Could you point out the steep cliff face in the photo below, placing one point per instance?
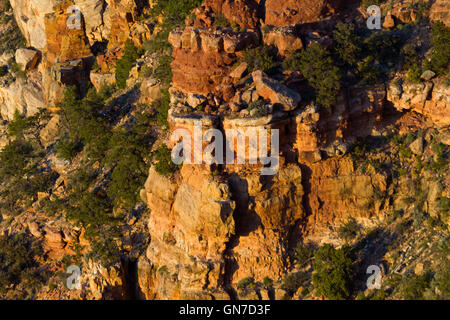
(210, 232)
(318, 186)
(69, 33)
(103, 20)
(193, 222)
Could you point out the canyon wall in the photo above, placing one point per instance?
(211, 226)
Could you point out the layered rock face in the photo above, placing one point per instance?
(255, 219)
(68, 33)
(244, 13)
(211, 226)
(431, 98)
(26, 96)
(203, 57)
(30, 17)
(440, 11)
(215, 225)
(293, 12)
(103, 19)
(208, 232)
(191, 223)
(339, 192)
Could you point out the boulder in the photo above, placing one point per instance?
(444, 137)
(27, 58)
(102, 79)
(50, 132)
(93, 11)
(427, 75)
(239, 71)
(194, 100)
(417, 146)
(418, 269)
(275, 91)
(284, 39)
(24, 96)
(150, 91)
(35, 229)
(440, 11)
(66, 74)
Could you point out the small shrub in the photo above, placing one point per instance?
(126, 63)
(332, 272)
(163, 71)
(292, 282)
(246, 283)
(349, 230)
(410, 55)
(384, 46)
(421, 8)
(414, 74)
(368, 71)
(168, 238)
(84, 120)
(444, 204)
(18, 266)
(164, 165)
(348, 43)
(303, 254)
(267, 282)
(145, 72)
(162, 106)
(261, 58)
(318, 67)
(413, 286)
(15, 157)
(91, 212)
(163, 270)
(16, 69)
(3, 71)
(221, 21)
(67, 149)
(128, 155)
(106, 92)
(259, 107)
(105, 250)
(441, 280)
(18, 125)
(127, 178)
(441, 48)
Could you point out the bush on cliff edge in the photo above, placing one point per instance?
(332, 272)
(126, 63)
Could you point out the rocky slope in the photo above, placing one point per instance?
(376, 157)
